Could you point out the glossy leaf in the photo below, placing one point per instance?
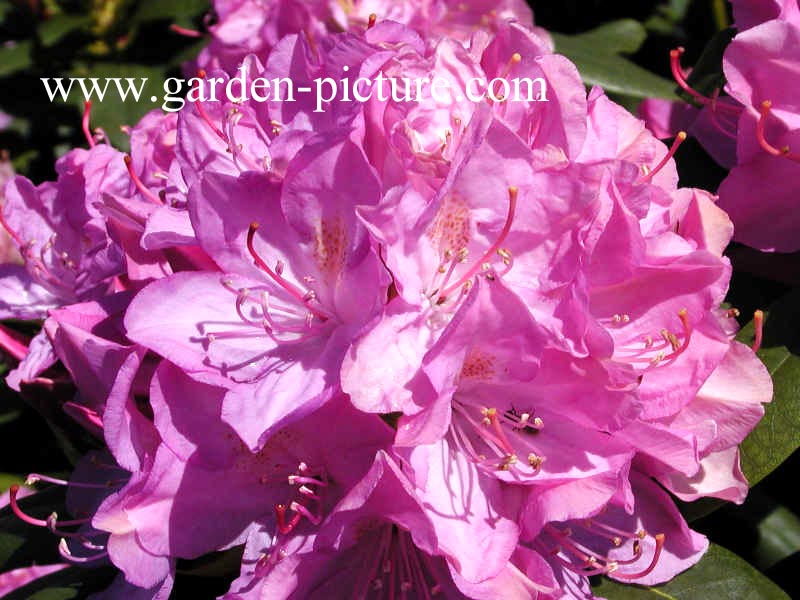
(706, 76)
(720, 574)
(778, 433)
(170, 9)
(778, 537)
(597, 54)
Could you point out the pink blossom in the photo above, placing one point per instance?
(249, 27)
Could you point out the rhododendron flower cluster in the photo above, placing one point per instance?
(395, 349)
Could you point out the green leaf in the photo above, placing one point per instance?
(667, 16)
(9, 479)
(58, 26)
(707, 76)
(597, 54)
(778, 433)
(73, 583)
(720, 574)
(700, 508)
(778, 537)
(22, 544)
(5, 9)
(16, 57)
(625, 36)
(170, 10)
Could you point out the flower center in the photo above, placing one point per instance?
(450, 229)
(498, 440)
(653, 350)
(577, 557)
(307, 494)
(76, 546)
(395, 568)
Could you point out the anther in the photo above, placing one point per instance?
(505, 254)
(373, 18)
(507, 462)
(535, 460)
(758, 322)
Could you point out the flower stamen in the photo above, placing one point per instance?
(513, 193)
(785, 152)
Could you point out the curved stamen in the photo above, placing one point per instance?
(201, 74)
(679, 139)
(64, 551)
(185, 32)
(300, 509)
(295, 479)
(138, 182)
(33, 478)
(683, 315)
(784, 152)
(512, 207)
(302, 297)
(715, 120)
(87, 112)
(14, 235)
(285, 527)
(12, 501)
(680, 77)
(659, 538)
(594, 564)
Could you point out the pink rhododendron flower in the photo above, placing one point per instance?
(251, 27)
(754, 129)
(274, 326)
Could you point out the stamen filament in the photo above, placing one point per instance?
(659, 538)
(288, 287)
(185, 32)
(64, 551)
(513, 192)
(784, 152)
(87, 112)
(138, 182)
(680, 77)
(679, 139)
(204, 115)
